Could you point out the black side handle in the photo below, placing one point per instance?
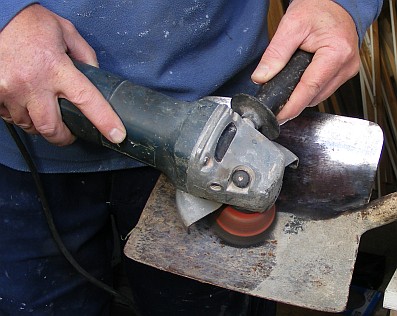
(276, 92)
(262, 108)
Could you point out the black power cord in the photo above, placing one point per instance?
(54, 232)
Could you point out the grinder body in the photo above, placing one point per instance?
(204, 147)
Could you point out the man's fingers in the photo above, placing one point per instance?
(77, 47)
(279, 51)
(18, 117)
(314, 83)
(272, 62)
(300, 98)
(50, 125)
(322, 78)
(327, 91)
(5, 114)
(83, 94)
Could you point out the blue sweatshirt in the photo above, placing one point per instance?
(184, 48)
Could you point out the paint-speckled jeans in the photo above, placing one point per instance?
(34, 278)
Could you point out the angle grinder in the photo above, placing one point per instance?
(218, 152)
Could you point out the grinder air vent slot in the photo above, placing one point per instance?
(224, 141)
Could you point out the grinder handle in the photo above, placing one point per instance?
(276, 92)
(262, 108)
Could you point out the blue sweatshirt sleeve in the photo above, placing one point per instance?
(363, 12)
(10, 8)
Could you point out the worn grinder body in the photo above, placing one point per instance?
(204, 147)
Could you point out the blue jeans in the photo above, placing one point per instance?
(36, 279)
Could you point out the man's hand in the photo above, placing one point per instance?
(36, 70)
(317, 26)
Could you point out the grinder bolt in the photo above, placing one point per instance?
(241, 178)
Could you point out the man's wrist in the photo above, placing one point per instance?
(363, 13)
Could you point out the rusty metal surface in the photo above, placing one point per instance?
(303, 262)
